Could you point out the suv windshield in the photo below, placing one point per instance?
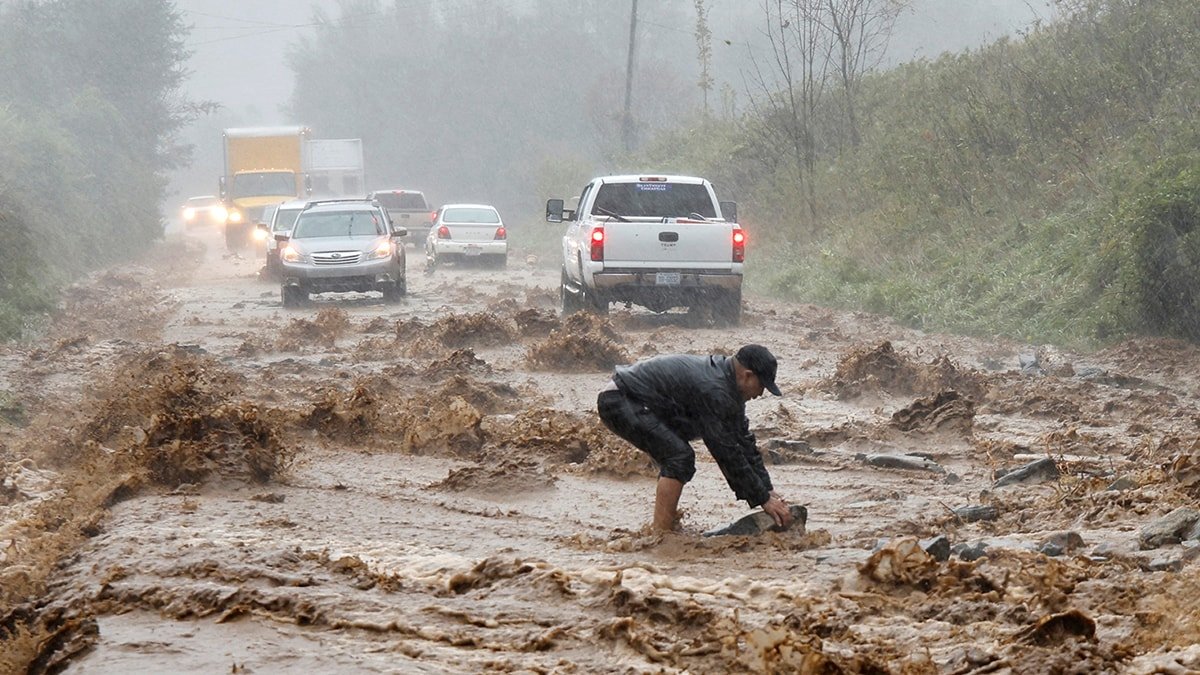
(284, 219)
(654, 200)
(470, 215)
(338, 224)
(203, 201)
(401, 200)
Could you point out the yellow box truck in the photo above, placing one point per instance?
(263, 166)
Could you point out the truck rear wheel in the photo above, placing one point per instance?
(570, 300)
(727, 311)
(595, 303)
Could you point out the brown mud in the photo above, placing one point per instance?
(193, 479)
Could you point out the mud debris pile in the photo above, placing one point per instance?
(584, 341)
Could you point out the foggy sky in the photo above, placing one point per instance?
(238, 46)
(238, 50)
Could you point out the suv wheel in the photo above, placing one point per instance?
(393, 292)
(292, 296)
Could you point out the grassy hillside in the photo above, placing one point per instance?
(1046, 188)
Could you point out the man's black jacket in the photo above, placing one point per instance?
(697, 397)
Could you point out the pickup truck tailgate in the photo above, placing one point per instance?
(674, 243)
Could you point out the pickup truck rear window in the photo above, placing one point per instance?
(401, 200)
(654, 200)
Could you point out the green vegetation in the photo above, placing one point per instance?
(88, 109)
(1045, 188)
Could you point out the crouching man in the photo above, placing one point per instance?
(662, 403)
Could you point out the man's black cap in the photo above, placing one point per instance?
(760, 361)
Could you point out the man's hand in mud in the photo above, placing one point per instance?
(778, 509)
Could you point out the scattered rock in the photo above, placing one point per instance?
(938, 547)
(1039, 471)
(970, 514)
(1051, 549)
(1170, 529)
(1173, 560)
(1121, 484)
(1030, 365)
(1065, 542)
(784, 451)
(911, 462)
(970, 552)
(759, 522)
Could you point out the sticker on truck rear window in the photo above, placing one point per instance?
(653, 187)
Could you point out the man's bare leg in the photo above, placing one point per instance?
(666, 503)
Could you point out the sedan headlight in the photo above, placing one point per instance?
(290, 254)
(382, 251)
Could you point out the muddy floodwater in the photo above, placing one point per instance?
(196, 480)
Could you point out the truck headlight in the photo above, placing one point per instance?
(382, 251)
(290, 254)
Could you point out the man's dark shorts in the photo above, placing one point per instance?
(635, 423)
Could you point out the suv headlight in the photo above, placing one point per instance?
(235, 216)
(382, 251)
(290, 254)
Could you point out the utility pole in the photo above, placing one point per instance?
(627, 121)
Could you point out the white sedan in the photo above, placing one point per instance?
(467, 231)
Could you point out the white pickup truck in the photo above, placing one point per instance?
(655, 241)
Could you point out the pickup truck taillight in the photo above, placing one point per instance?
(739, 245)
(501, 233)
(598, 244)
(443, 232)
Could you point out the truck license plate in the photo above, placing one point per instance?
(666, 278)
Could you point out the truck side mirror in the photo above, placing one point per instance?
(554, 210)
(729, 210)
(281, 238)
(221, 188)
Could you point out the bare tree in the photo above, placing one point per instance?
(861, 30)
(704, 51)
(788, 98)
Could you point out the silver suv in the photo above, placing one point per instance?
(342, 245)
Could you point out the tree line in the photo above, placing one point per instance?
(89, 108)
